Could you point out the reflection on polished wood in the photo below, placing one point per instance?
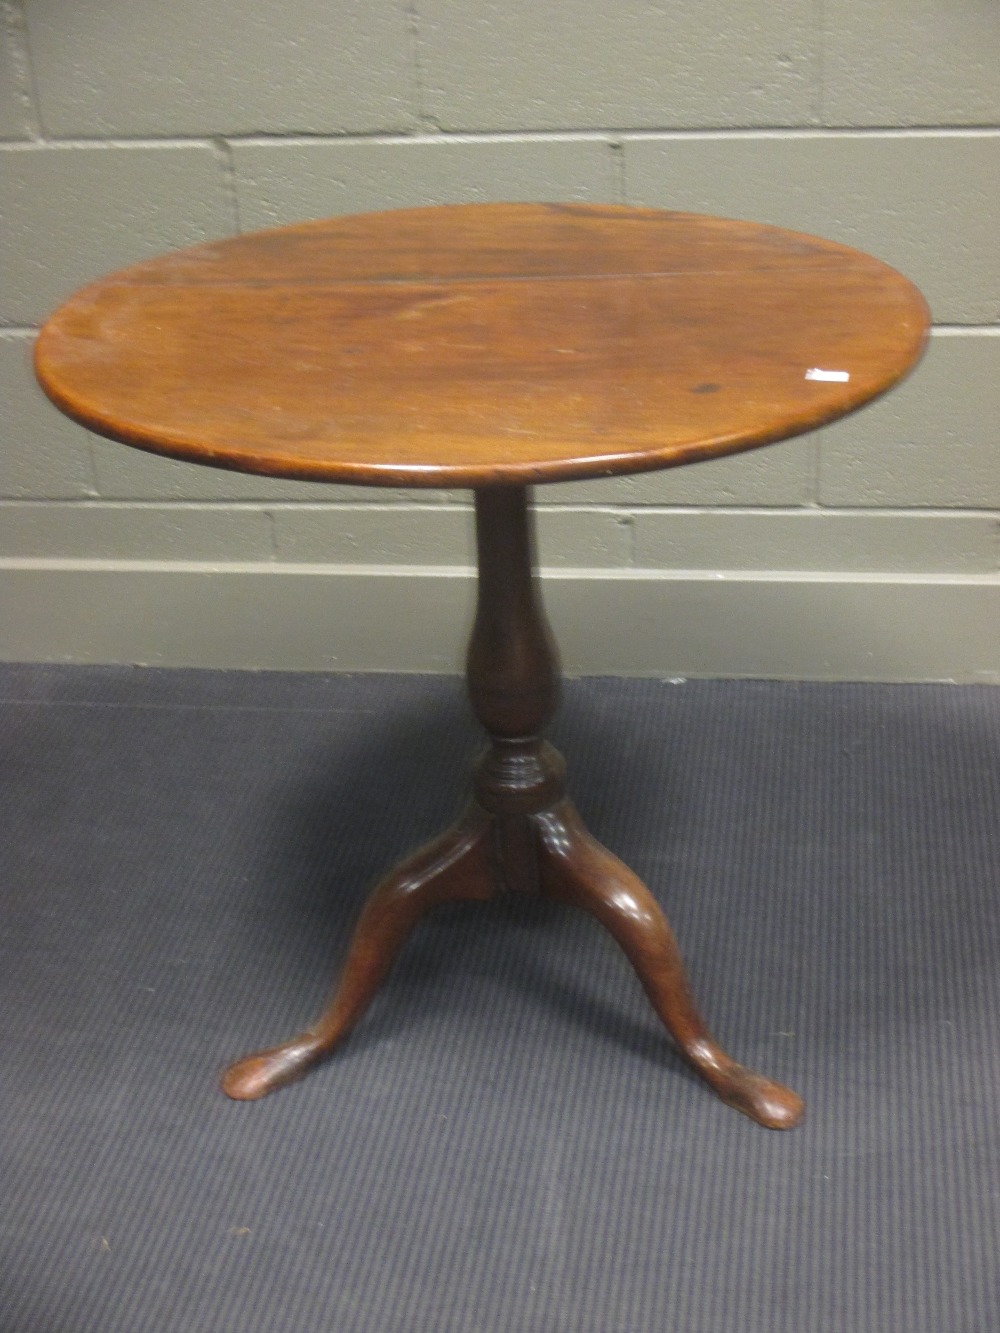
(481, 344)
(493, 347)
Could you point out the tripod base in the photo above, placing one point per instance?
(520, 834)
(569, 865)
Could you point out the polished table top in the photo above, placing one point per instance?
(483, 344)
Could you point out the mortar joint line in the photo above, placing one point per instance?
(272, 533)
(434, 131)
(820, 104)
(425, 120)
(817, 471)
(15, 24)
(965, 330)
(230, 193)
(94, 482)
(617, 150)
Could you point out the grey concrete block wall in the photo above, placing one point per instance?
(284, 182)
(926, 202)
(131, 127)
(14, 103)
(931, 443)
(208, 67)
(72, 212)
(518, 64)
(919, 63)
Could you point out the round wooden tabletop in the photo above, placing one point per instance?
(481, 344)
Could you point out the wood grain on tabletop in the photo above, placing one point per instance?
(470, 345)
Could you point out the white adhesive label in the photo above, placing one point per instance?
(828, 376)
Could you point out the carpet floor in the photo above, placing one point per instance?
(508, 1143)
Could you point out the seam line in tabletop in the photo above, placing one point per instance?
(429, 280)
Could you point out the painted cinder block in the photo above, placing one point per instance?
(928, 62)
(281, 183)
(928, 203)
(222, 67)
(934, 441)
(71, 214)
(432, 535)
(518, 64)
(42, 455)
(817, 540)
(13, 107)
(371, 534)
(309, 618)
(123, 473)
(582, 538)
(100, 531)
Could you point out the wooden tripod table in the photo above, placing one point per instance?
(491, 347)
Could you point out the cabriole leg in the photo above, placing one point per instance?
(454, 866)
(577, 869)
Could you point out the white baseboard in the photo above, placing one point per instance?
(613, 622)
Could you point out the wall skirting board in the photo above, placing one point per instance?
(892, 627)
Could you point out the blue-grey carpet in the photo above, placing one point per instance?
(508, 1143)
